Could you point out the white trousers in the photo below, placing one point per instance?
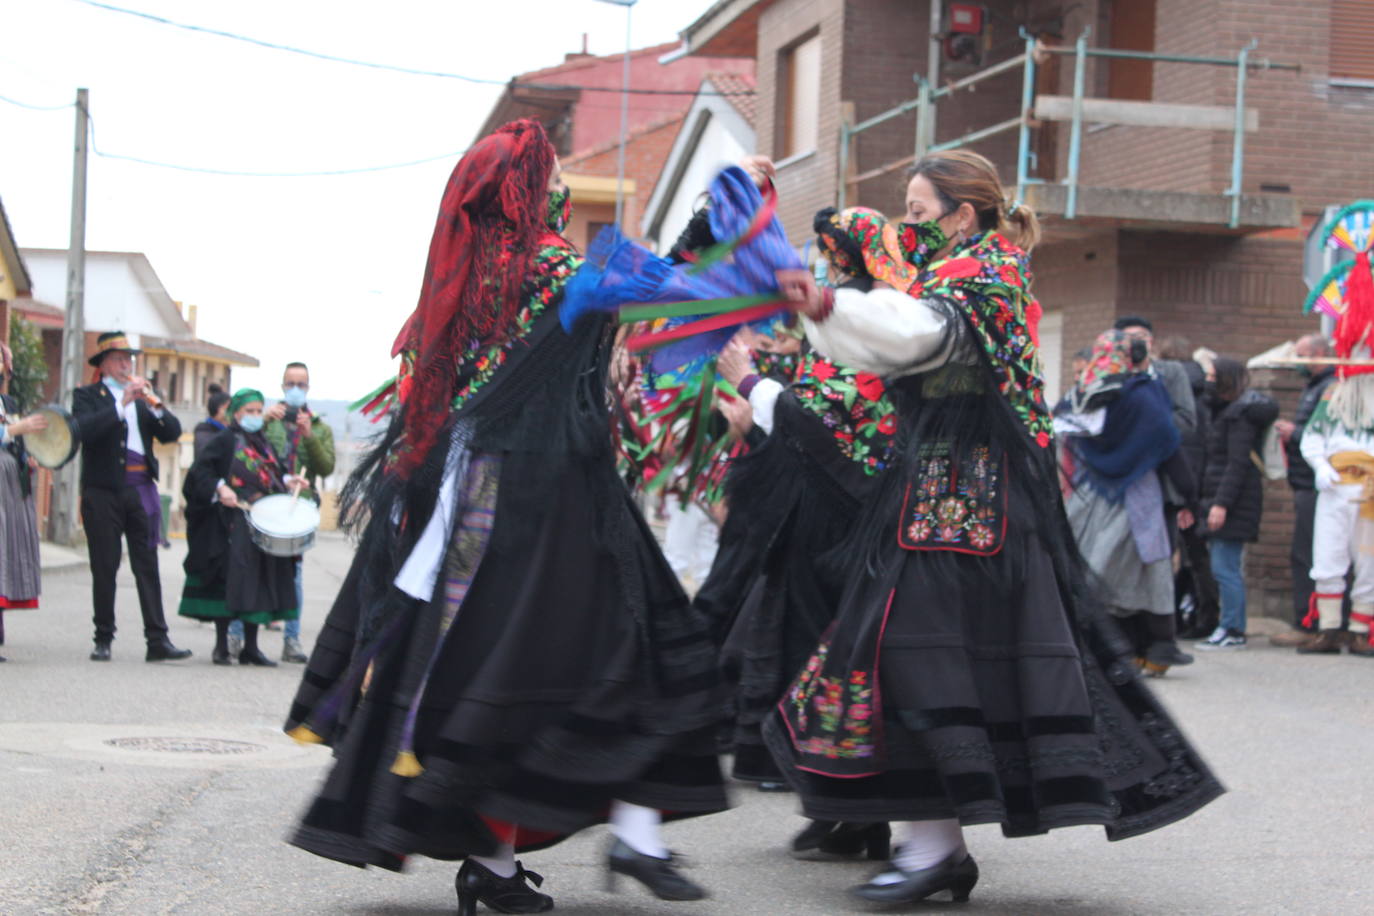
(1341, 538)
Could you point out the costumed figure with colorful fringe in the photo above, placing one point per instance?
(510, 659)
(969, 676)
(1338, 443)
(1117, 438)
(228, 577)
(20, 569)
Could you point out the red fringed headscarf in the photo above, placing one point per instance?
(490, 220)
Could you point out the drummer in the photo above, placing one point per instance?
(227, 576)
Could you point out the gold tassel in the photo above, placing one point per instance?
(304, 735)
(407, 764)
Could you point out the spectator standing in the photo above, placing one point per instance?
(1232, 492)
(216, 419)
(1171, 373)
(1302, 481)
(119, 418)
(19, 565)
(305, 443)
(1119, 437)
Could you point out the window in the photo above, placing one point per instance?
(1352, 39)
(1132, 29)
(799, 81)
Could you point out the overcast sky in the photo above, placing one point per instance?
(322, 269)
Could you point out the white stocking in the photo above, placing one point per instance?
(502, 864)
(921, 844)
(637, 826)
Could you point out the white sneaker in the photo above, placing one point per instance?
(1222, 638)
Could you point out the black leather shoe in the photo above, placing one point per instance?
(164, 651)
(101, 652)
(658, 875)
(504, 895)
(221, 657)
(255, 657)
(956, 874)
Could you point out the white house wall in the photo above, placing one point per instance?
(117, 298)
(726, 139)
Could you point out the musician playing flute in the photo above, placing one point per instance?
(119, 418)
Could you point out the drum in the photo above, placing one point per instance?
(283, 526)
(58, 444)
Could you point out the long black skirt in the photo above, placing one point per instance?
(959, 686)
(575, 673)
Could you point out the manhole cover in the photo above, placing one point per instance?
(185, 745)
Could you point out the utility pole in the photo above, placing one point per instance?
(624, 118)
(64, 518)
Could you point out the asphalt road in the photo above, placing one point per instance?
(135, 788)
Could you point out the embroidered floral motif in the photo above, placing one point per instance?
(989, 280)
(950, 508)
(843, 708)
(854, 406)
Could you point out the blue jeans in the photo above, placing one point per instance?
(292, 630)
(1226, 557)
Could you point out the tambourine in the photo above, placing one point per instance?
(58, 444)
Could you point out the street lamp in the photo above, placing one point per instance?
(624, 114)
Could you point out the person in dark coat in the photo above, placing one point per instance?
(119, 418)
(1233, 491)
(216, 419)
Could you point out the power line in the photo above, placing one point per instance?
(34, 107)
(95, 148)
(272, 45)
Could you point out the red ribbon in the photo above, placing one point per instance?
(657, 339)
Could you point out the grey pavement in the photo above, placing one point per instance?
(135, 788)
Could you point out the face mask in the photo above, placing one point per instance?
(295, 397)
(560, 210)
(1305, 371)
(251, 423)
(920, 241)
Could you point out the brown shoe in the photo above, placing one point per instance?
(1359, 644)
(1292, 639)
(1326, 642)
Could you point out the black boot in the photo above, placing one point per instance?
(658, 875)
(504, 895)
(957, 874)
(101, 652)
(809, 840)
(1162, 652)
(852, 840)
(221, 654)
(251, 654)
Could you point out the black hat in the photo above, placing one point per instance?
(109, 342)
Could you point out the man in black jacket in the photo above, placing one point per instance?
(119, 418)
(1302, 481)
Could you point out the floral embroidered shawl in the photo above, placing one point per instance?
(989, 279)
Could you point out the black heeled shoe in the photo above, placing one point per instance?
(809, 840)
(255, 657)
(504, 895)
(221, 657)
(956, 874)
(658, 875)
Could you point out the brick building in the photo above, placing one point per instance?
(1152, 231)
(578, 102)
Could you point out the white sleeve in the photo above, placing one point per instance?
(763, 399)
(1313, 447)
(884, 331)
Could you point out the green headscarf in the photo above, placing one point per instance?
(244, 396)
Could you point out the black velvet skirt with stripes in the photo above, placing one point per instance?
(798, 497)
(575, 673)
(978, 682)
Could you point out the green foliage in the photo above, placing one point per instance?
(30, 368)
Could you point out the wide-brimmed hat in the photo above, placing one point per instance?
(109, 342)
